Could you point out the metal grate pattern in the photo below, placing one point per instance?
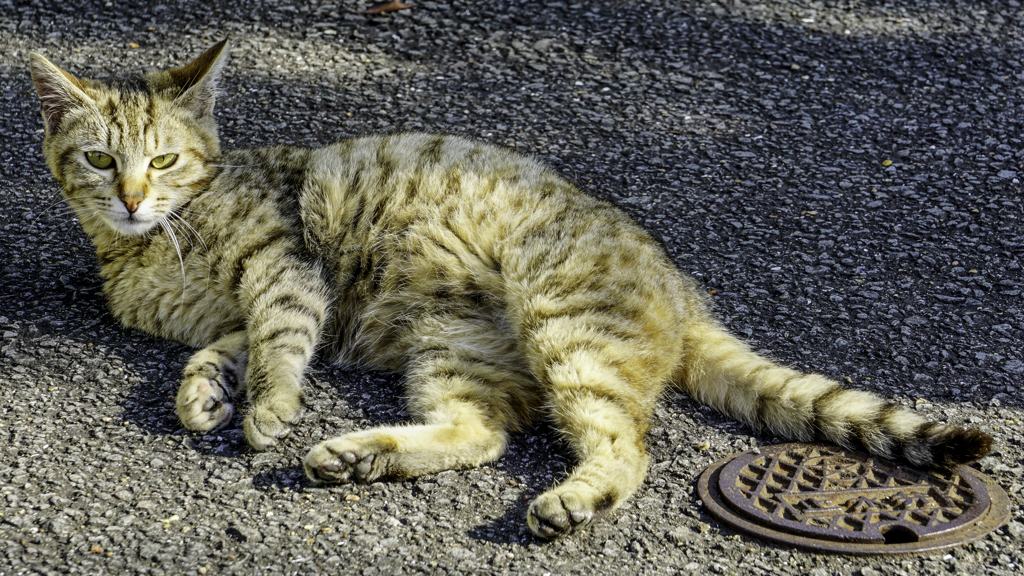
(830, 499)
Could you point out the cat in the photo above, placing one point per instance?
(499, 289)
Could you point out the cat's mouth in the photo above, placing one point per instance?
(132, 224)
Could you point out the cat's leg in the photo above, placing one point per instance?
(602, 378)
(464, 398)
(454, 434)
(213, 378)
(606, 433)
(287, 306)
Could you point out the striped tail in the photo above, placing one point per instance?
(721, 371)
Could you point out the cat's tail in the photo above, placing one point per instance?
(721, 371)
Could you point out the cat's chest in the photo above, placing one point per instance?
(186, 282)
(169, 291)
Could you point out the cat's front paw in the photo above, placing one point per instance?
(202, 404)
(342, 460)
(270, 421)
(565, 509)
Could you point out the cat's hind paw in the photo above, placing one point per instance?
(268, 422)
(566, 508)
(341, 460)
(203, 404)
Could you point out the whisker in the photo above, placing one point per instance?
(188, 210)
(174, 239)
(181, 221)
(183, 229)
(60, 213)
(86, 212)
(56, 202)
(188, 225)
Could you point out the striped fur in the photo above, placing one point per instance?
(500, 290)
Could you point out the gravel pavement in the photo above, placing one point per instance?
(844, 176)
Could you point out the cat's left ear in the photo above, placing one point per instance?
(197, 81)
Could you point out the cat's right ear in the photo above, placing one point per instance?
(197, 81)
(59, 91)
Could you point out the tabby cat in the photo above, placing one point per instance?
(499, 289)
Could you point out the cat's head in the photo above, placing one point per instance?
(128, 152)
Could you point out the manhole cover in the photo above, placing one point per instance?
(828, 499)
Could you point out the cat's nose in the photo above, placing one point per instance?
(131, 189)
(131, 201)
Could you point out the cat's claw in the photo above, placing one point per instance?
(339, 462)
(265, 425)
(202, 404)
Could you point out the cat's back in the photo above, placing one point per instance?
(427, 159)
(415, 185)
(419, 171)
(463, 195)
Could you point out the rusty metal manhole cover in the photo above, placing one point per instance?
(828, 499)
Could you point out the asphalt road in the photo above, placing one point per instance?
(843, 176)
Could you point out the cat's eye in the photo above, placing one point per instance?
(100, 160)
(165, 161)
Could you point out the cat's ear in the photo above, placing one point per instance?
(197, 81)
(59, 91)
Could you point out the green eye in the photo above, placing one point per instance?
(165, 161)
(99, 159)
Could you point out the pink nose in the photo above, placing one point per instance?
(131, 201)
